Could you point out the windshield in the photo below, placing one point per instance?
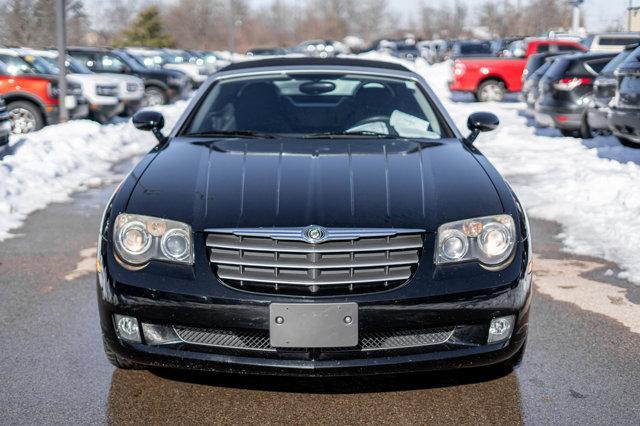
(130, 61)
(16, 65)
(318, 105)
(41, 65)
(77, 67)
(478, 48)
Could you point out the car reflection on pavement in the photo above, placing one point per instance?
(165, 396)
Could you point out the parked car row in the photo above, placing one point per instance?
(102, 83)
(583, 94)
(490, 70)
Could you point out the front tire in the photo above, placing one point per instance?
(154, 96)
(116, 361)
(491, 91)
(25, 117)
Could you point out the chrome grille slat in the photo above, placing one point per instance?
(267, 275)
(258, 340)
(399, 242)
(365, 264)
(346, 261)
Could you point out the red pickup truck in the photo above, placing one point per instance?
(490, 78)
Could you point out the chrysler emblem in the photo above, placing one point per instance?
(314, 234)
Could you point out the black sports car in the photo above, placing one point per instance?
(314, 217)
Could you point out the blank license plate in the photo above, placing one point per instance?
(313, 325)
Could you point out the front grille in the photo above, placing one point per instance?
(258, 340)
(354, 266)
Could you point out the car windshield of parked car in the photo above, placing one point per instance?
(76, 66)
(16, 65)
(41, 65)
(317, 105)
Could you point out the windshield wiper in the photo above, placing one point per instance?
(231, 133)
(358, 134)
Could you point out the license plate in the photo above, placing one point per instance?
(314, 325)
(70, 102)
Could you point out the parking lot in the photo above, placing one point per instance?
(581, 363)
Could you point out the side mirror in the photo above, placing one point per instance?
(151, 121)
(481, 122)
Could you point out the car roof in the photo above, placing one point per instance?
(288, 61)
(591, 55)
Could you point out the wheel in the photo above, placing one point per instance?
(491, 91)
(628, 142)
(585, 130)
(116, 361)
(568, 133)
(154, 96)
(25, 117)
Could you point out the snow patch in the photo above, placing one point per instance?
(49, 165)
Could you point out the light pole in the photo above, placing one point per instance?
(629, 10)
(61, 38)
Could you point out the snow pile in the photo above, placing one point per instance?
(48, 165)
(589, 187)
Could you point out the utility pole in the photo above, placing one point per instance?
(61, 38)
(629, 9)
(575, 21)
(232, 27)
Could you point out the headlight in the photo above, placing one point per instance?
(139, 239)
(489, 240)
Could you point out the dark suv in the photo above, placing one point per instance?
(604, 89)
(565, 89)
(624, 115)
(162, 86)
(537, 65)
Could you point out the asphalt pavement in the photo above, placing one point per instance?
(582, 364)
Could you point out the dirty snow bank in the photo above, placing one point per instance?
(49, 165)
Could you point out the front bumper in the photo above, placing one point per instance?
(81, 110)
(597, 117)
(625, 123)
(104, 113)
(470, 315)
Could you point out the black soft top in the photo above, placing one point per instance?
(287, 62)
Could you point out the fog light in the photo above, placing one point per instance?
(159, 334)
(127, 328)
(501, 329)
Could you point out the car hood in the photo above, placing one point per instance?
(98, 79)
(119, 78)
(328, 182)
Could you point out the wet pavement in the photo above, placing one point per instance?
(581, 367)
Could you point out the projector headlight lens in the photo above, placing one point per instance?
(139, 239)
(489, 240)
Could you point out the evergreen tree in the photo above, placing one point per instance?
(146, 30)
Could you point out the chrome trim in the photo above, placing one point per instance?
(298, 233)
